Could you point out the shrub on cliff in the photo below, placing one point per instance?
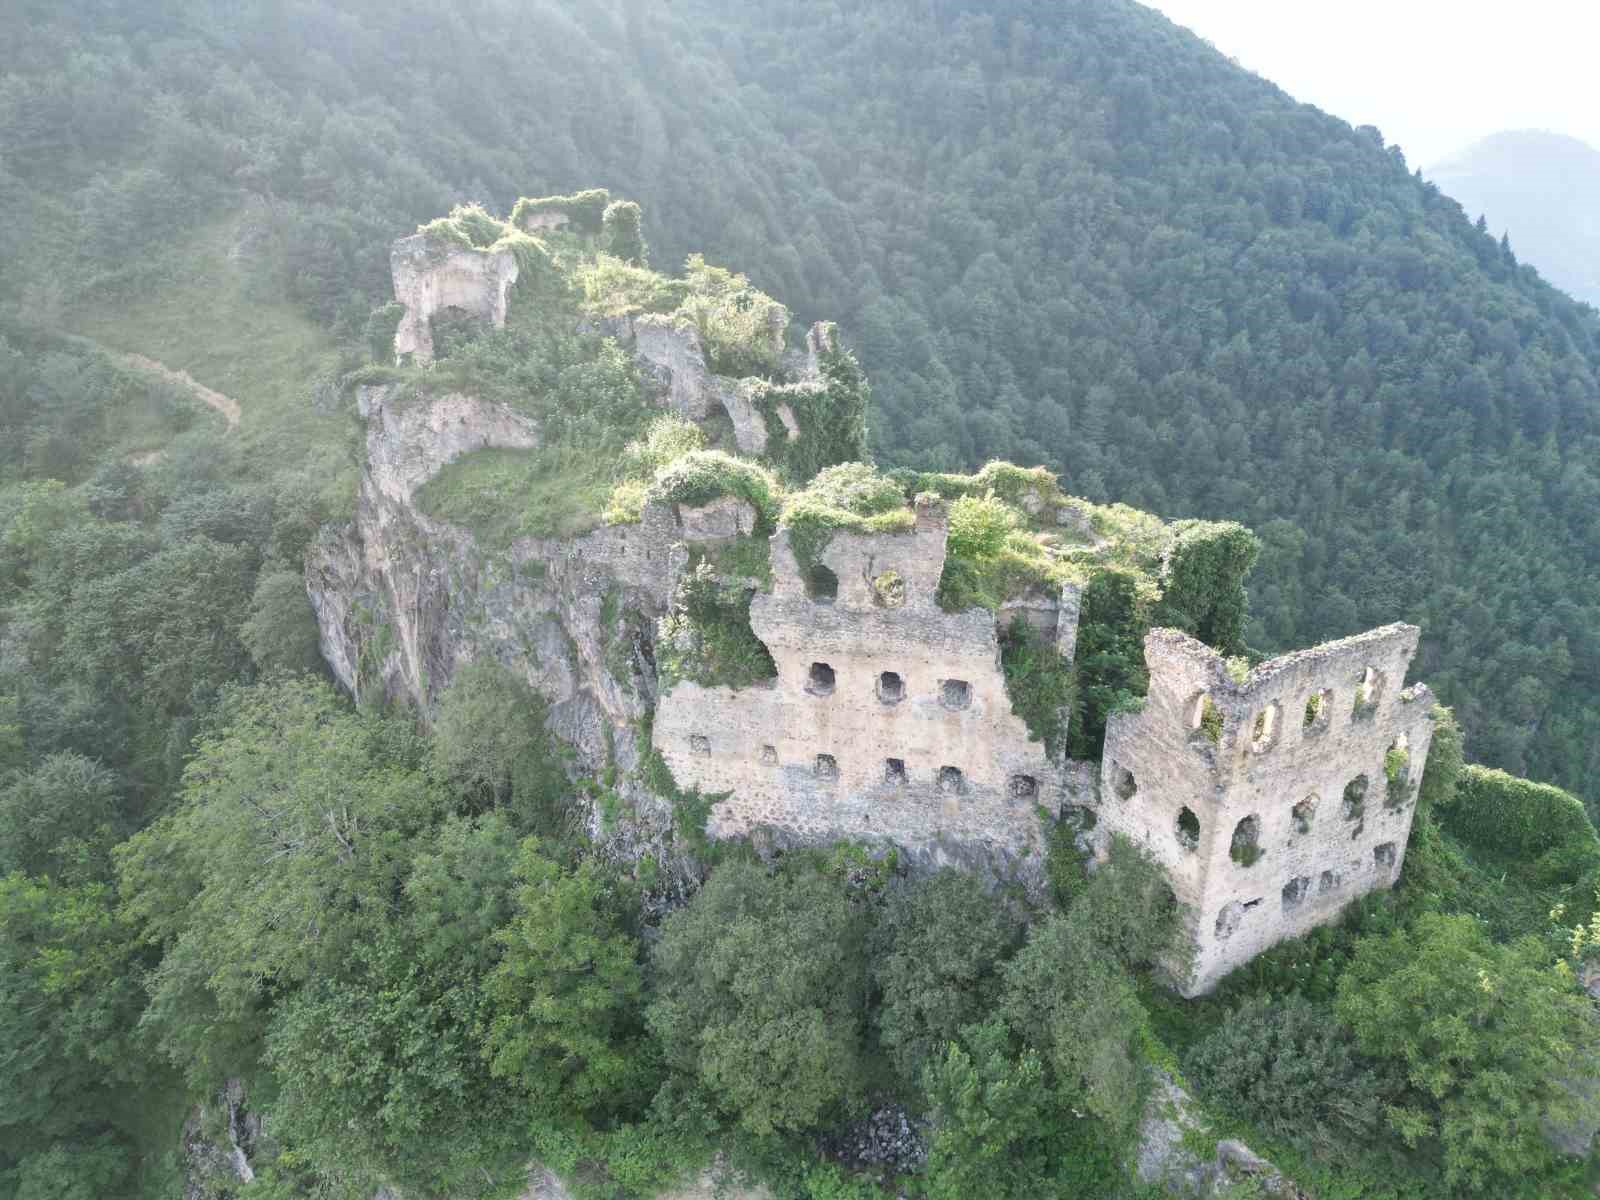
(831, 418)
(740, 326)
(1202, 582)
(622, 230)
(701, 476)
(853, 497)
(707, 637)
(760, 996)
(1512, 816)
(584, 210)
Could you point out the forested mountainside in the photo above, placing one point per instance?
(259, 941)
(1059, 232)
(1543, 191)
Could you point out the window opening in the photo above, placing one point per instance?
(820, 682)
(1245, 848)
(1188, 829)
(955, 693)
(827, 767)
(1264, 734)
(894, 771)
(891, 688)
(1303, 814)
(822, 585)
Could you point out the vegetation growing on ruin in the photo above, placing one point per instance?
(707, 638)
(1040, 684)
(586, 209)
(830, 418)
(702, 476)
(851, 497)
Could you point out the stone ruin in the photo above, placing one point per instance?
(433, 276)
(1273, 800)
(888, 721)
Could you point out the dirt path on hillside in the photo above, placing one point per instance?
(226, 405)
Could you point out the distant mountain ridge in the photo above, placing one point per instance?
(1543, 190)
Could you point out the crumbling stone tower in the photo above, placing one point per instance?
(888, 721)
(432, 275)
(1274, 799)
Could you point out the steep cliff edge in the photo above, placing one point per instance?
(625, 488)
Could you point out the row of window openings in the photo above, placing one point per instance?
(1205, 718)
(1297, 889)
(826, 767)
(953, 693)
(1245, 847)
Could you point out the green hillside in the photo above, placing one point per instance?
(1058, 232)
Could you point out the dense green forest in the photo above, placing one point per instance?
(1063, 233)
(1070, 234)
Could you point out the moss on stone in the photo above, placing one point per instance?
(701, 476)
(854, 497)
(585, 210)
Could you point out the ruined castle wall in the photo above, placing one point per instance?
(431, 276)
(931, 757)
(1283, 767)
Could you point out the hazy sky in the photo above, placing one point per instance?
(1433, 75)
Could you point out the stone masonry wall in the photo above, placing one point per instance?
(889, 719)
(431, 275)
(1307, 778)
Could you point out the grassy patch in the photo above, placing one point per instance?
(196, 308)
(501, 495)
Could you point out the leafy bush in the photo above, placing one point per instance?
(1109, 661)
(740, 326)
(622, 230)
(1289, 1066)
(1202, 581)
(849, 496)
(701, 476)
(760, 996)
(831, 418)
(379, 331)
(990, 557)
(1488, 1036)
(1514, 817)
(707, 637)
(611, 287)
(936, 953)
(1443, 769)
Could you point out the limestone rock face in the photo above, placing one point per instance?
(670, 352)
(889, 720)
(431, 275)
(403, 600)
(1271, 801)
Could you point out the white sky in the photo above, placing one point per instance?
(1433, 75)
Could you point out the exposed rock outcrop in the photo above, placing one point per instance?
(402, 600)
